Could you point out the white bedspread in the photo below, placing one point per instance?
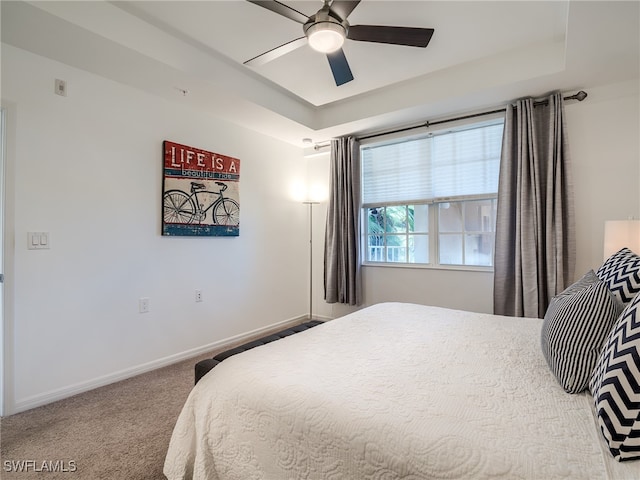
(394, 391)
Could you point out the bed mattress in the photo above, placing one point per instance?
(393, 391)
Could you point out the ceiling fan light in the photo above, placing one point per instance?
(326, 37)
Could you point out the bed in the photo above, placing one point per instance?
(393, 391)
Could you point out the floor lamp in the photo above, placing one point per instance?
(311, 204)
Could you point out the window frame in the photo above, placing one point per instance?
(407, 233)
(433, 233)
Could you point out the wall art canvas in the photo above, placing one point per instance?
(200, 192)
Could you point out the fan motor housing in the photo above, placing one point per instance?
(323, 20)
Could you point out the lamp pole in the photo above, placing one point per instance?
(311, 204)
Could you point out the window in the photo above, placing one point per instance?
(466, 231)
(398, 233)
(432, 200)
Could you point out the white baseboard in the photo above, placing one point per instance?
(71, 390)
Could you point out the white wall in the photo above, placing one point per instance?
(87, 168)
(603, 142)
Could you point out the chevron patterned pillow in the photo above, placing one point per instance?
(575, 327)
(621, 272)
(615, 385)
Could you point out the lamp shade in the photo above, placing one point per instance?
(619, 234)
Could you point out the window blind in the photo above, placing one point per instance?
(451, 164)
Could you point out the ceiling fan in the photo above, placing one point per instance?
(326, 30)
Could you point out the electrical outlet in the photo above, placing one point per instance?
(143, 305)
(198, 295)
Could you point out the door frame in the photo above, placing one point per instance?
(8, 111)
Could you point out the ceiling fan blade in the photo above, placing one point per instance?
(282, 9)
(339, 67)
(343, 8)
(276, 52)
(409, 36)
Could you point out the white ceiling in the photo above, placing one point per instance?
(464, 32)
(482, 54)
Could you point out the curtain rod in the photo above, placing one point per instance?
(580, 96)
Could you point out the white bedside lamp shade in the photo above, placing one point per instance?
(619, 234)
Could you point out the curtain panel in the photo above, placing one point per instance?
(342, 282)
(535, 230)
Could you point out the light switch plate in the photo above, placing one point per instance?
(38, 240)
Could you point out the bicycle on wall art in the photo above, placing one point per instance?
(200, 192)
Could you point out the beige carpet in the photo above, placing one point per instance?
(117, 432)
